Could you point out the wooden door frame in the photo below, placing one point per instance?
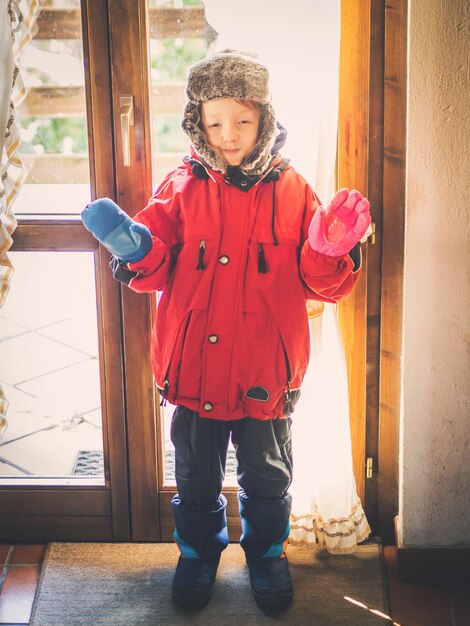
(352, 172)
(130, 76)
(371, 157)
(392, 266)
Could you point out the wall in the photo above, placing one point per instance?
(435, 427)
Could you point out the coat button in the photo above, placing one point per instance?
(244, 183)
(213, 339)
(224, 259)
(208, 406)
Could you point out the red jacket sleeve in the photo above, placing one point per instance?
(328, 279)
(162, 218)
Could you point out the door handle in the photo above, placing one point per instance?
(126, 108)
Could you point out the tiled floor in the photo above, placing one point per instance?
(412, 604)
(49, 364)
(20, 566)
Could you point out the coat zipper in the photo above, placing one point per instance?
(166, 387)
(289, 408)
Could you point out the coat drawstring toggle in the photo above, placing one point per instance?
(202, 248)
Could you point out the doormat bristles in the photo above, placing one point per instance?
(90, 463)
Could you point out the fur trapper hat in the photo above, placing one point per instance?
(230, 74)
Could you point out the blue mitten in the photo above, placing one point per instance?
(126, 239)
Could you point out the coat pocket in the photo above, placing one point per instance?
(291, 396)
(261, 369)
(169, 389)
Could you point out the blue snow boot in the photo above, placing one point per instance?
(193, 581)
(265, 530)
(201, 537)
(270, 580)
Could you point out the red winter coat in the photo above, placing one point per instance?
(231, 335)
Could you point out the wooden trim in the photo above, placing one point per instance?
(112, 393)
(38, 528)
(128, 25)
(352, 168)
(374, 253)
(395, 77)
(55, 501)
(371, 149)
(102, 177)
(40, 235)
(433, 564)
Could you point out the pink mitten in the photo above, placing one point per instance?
(336, 230)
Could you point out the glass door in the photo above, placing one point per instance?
(87, 454)
(63, 460)
(179, 35)
(180, 32)
(165, 37)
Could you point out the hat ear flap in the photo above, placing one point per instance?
(258, 160)
(191, 125)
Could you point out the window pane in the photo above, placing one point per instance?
(54, 145)
(179, 36)
(170, 56)
(49, 368)
(169, 450)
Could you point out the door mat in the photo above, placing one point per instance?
(129, 584)
(230, 468)
(90, 463)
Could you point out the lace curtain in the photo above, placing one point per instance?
(17, 19)
(299, 41)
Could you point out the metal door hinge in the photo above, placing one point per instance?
(369, 467)
(372, 235)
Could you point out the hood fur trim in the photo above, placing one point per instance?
(254, 163)
(230, 74)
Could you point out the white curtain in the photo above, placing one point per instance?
(299, 41)
(17, 19)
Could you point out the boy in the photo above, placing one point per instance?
(236, 240)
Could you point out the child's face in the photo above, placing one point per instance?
(231, 127)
